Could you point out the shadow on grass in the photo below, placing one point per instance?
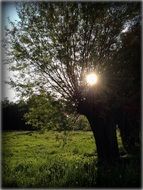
(124, 174)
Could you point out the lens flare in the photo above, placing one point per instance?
(91, 79)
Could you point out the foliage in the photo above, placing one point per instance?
(46, 113)
(81, 124)
(35, 160)
(128, 65)
(72, 39)
(40, 112)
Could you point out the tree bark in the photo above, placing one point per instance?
(104, 132)
(100, 117)
(129, 123)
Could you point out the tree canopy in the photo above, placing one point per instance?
(54, 45)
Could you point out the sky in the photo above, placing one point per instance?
(8, 12)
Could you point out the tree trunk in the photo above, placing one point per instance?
(100, 117)
(104, 132)
(129, 125)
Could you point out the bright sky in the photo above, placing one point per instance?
(8, 11)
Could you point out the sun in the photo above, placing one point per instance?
(91, 79)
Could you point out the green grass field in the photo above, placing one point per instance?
(50, 159)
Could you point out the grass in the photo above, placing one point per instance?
(50, 159)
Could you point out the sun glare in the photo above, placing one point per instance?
(91, 79)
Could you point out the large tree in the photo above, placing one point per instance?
(128, 60)
(55, 45)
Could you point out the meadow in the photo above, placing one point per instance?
(53, 159)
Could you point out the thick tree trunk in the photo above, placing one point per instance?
(101, 120)
(129, 125)
(104, 132)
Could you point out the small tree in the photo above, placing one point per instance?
(57, 44)
(46, 113)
